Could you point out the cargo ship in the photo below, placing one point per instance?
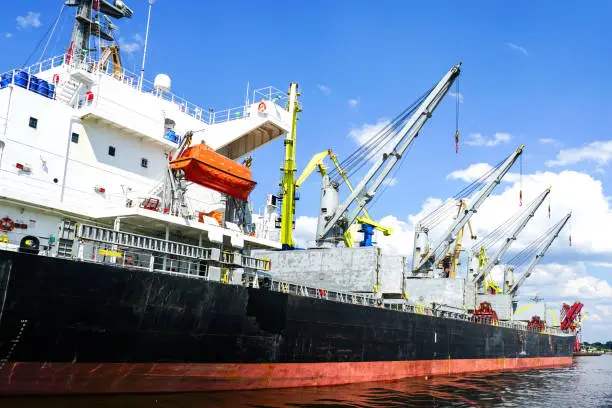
(131, 261)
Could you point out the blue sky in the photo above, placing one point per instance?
(533, 73)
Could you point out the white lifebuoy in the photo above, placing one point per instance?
(261, 108)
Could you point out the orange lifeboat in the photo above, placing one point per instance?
(203, 166)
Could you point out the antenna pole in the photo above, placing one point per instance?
(144, 54)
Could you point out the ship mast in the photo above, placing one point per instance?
(85, 25)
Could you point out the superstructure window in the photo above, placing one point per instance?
(33, 122)
(144, 162)
(75, 138)
(111, 150)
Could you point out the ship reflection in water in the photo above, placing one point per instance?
(587, 383)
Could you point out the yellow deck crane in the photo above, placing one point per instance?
(108, 53)
(385, 150)
(451, 261)
(288, 185)
(316, 162)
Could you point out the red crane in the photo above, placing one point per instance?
(569, 317)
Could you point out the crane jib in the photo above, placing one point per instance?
(383, 166)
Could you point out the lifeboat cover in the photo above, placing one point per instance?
(203, 166)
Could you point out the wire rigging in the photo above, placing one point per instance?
(371, 147)
(504, 230)
(52, 31)
(527, 254)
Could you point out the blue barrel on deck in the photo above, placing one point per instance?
(21, 79)
(42, 88)
(6, 79)
(33, 85)
(51, 93)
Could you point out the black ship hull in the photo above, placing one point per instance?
(78, 327)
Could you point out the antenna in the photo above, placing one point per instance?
(144, 54)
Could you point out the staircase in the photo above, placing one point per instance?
(68, 92)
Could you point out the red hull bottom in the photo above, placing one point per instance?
(91, 378)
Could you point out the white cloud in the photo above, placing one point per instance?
(31, 19)
(305, 231)
(471, 173)
(353, 102)
(457, 95)
(548, 140)
(555, 280)
(130, 47)
(366, 132)
(8, 35)
(477, 139)
(599, 152)
(587, 287)
(518, 48)
(325, 89)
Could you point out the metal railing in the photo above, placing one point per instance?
(405, 307)
(209, 116)
(128, 257)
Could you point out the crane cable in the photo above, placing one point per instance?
(524, 255)
(521, 182)
(356, 160)
(458, 100)
(504, 229)
(435, 217)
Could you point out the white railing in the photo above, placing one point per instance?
(209, 116)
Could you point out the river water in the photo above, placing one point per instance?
(587, 383)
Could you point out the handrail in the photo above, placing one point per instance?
(405, 307)
(209, 116)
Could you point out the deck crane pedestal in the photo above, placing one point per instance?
(334, 219)
(368, 225)
(524, 217)
(426, 261)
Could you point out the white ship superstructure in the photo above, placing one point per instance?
(82, 137)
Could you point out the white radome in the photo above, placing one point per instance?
(162, 82)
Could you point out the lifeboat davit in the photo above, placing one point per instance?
(203, 166)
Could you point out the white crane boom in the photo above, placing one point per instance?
(531, 210)
(432, 259)
(391, 157)
(540, 254)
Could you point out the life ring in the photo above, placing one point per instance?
(6, 224)
(56, 78)
(129, 260)
(261, 108)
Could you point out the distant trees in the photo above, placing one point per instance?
(598, 345)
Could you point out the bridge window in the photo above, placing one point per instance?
(111, 151)
(33, 122)
(75, 138)
(144, 162)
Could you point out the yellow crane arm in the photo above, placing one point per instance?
(584, 316)
(378, 226)
(555, 322)
(522, 309)
(316, 161)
